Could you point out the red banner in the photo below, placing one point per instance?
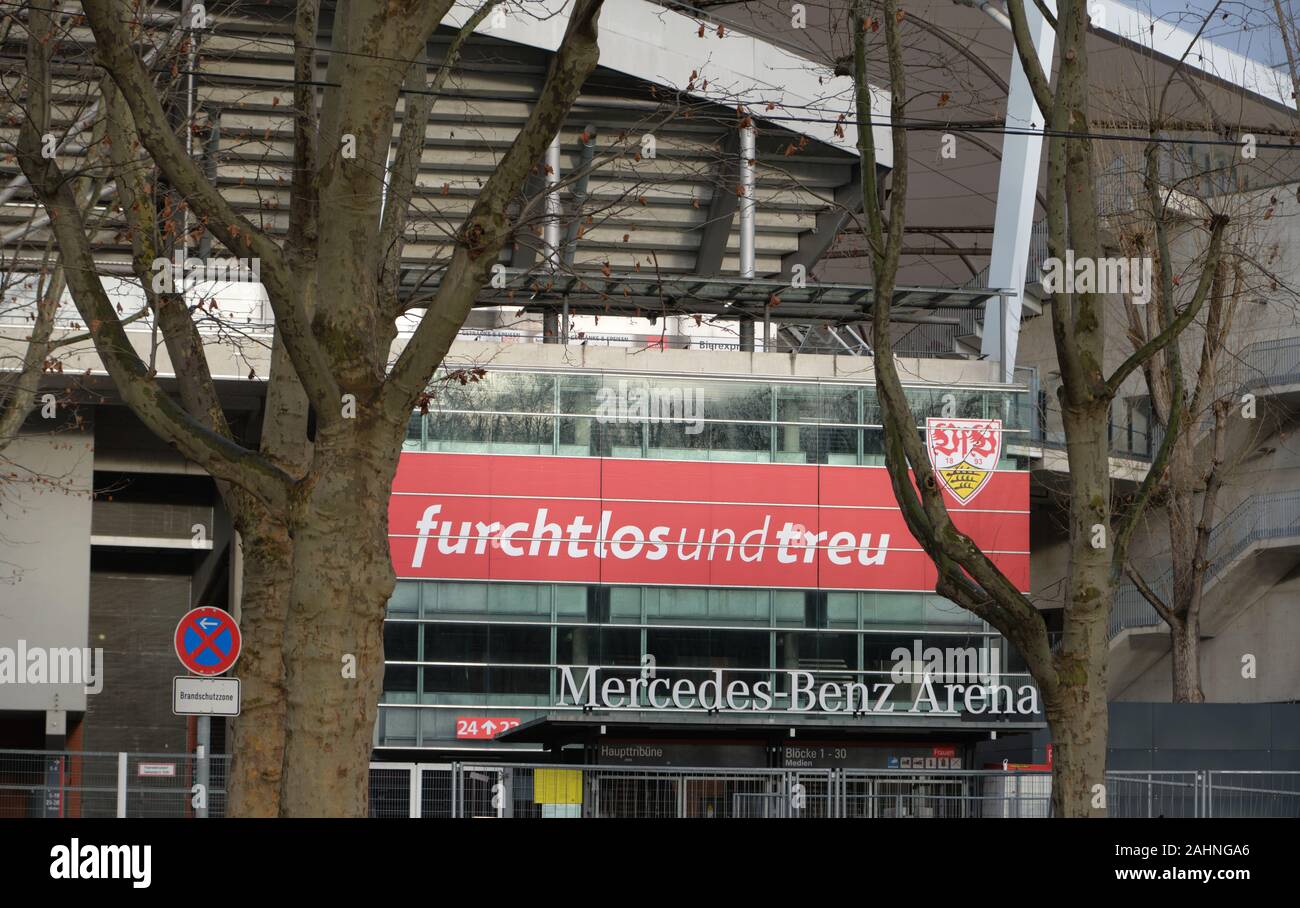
(679, 523)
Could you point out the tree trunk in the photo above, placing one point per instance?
(333, 642)
(253, 786)
(1185, 637)
(1078, 719)
(1077, 712)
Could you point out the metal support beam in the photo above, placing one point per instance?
(747, 205)
(1014, 218)
(722, 211)
(551, 233)
(580, 194)
(813, 244)
(524, 254)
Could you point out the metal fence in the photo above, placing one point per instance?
(59, 784)
(42, 783)
(530, 790)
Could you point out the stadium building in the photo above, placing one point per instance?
(645, 520)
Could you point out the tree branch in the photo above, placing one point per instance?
(109, 21)
(987, 592)
(215, 453)
(1175, 327)
(487, 227)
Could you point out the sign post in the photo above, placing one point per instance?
(208, 643)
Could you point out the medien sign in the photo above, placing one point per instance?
(805, 695)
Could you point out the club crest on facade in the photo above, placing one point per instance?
(964, 453)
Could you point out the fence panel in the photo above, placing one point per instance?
(1252, 794)
(59, 784)
(37, 783)
(1155, 794)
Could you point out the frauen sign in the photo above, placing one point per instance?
(688, 523)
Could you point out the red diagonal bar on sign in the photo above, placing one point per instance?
(207, 642)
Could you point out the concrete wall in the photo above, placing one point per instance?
(134, 618)
(717, 362)
(1268, 631)
(45, 557)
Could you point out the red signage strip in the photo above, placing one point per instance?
(481, 728)
(688, 523)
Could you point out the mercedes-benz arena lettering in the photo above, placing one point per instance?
(701, 589)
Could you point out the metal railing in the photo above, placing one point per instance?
(1270, 363)
(507, 790)
(45, 783)
(1274, 515)
(62, 784)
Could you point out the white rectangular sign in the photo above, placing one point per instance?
(156, 770)
(193, 696)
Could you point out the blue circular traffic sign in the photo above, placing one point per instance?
(207, 641)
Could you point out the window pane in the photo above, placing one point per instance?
(739, 606)
(518, 681)
(414, 433)
(842, 609)
(522, 600)
(571, 601)
(708, 648)
(515, 643)
(678, 441)
(577, 437)
(739, 441)
(618, 439)
(401, 641)
(399, 679)
(406, 598)
(518, 392)
(939, 610)
(597, 646)
(816, 652)
(788, 607)
(666, 604)
(456, 643)
(460, 680)
(580, 393)
(625, 604)
(893, 608)
(456, 599)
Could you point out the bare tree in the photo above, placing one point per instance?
(1071, 677)
(312, 509)
(1205, 449)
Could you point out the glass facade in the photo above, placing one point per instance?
(595, 414)
(454, 647)
(493, 649)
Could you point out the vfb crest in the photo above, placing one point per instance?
(964, 453)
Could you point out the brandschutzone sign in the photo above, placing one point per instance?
(805, 694)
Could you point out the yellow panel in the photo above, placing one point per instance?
(557, 786)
